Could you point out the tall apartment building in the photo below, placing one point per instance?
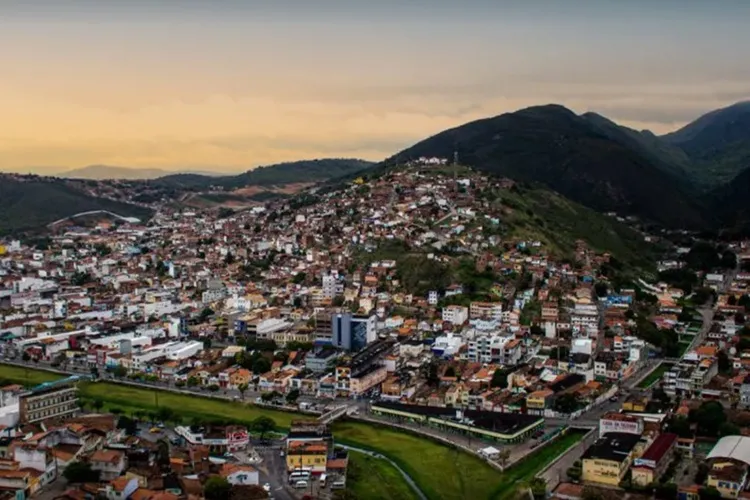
(486, 310)
(50, 400)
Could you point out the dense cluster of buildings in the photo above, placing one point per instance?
(183, 298)
(409, 289)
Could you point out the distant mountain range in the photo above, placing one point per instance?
(101, 172)
(278, 174)
(32, 202)
(305, 171)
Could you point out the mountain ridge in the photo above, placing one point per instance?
(113, 172)
(567, 153)
(718, 143)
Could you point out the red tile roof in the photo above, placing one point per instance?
(660, 447)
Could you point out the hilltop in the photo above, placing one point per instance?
(458, 209)
(607, 170)
(304, 171)
(30, 203)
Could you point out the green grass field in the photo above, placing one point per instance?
(25, 376)
(440, 472)
(186, 406)
(370, 478)
(654, 376)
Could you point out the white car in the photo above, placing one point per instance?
(267, 487)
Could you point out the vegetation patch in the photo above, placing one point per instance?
(654, 376)
(370, 478)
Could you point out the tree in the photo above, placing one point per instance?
(205, 314)
(665, 491)
(261, 365)
(574, 474)
(80, 472)
(129, 425)
(263, 425)
(266, 397)
(450, 372)
(292, 396)
(242, 388)
(25, 356)
(685, 316)
(432, 374)
(97, 404)
(728, 260)
(567, 403)
(702, 473)
(299, 278)
(709, 417)
(229, 259)
(660, 395)
(119, 371)
(499, 379)
(217, 488)
(725, 364)
(601, 289)
(503, 457)
(162, 453)
(165, 413)
(728, 429)
(206, 343)
(225, 212)
(80, 278)
(709, 493)
(193, 381)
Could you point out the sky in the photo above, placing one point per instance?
(226, 85)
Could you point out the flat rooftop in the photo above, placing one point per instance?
(503, 423)
(615, 446)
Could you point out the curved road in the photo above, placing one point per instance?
(408, 478)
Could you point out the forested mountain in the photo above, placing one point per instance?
(580, 157)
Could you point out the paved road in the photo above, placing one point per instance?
(557, 472)
(273, 470)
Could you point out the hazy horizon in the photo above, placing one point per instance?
(229, 85)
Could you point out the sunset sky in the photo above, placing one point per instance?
(228, 85)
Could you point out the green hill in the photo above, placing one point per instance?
(536, 213)
(573, 156)
(305, 171)
(718, 144)
(32, 203)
